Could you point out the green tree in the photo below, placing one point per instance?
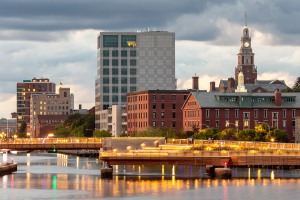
(246, 135)
(61, 131)
(228, 134)
(277, 135)
(102, 133)
(207, 133)
(23, 130)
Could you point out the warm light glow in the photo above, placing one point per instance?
(50, 135)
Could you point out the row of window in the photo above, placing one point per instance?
(114, 99)
(116, 89)
(145, 124)
(115, 53)
(162, 106)
(115, 62)
(52, 108)
(52, 113)
(52, 102)
(137, 98)
(246, 115)
(113, 41)
(115, 71)
(246, 124)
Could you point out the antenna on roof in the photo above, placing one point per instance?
(245, 19)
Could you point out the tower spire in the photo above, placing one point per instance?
(245, 19)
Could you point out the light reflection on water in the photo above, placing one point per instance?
(57, 176)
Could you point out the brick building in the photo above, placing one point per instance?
(51, 106)
(24, 91)
(242, 110)
(155, 108)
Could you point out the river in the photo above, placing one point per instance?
(44, 176)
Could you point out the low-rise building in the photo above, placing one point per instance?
(155, 108)
(242, 110)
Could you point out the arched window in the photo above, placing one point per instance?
(65, 94)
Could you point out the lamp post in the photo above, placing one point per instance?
(227, 125)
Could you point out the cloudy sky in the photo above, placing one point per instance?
(57, 39)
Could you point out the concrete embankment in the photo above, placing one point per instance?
(8, 168)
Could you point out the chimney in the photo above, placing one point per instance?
(212, 86)
(195, 82)
(80, 106)
(278, 100)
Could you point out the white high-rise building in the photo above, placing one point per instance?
(132, 61)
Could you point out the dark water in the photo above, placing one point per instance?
(54, 176)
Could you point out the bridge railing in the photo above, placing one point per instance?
(51, 140)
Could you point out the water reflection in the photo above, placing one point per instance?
(58, 176)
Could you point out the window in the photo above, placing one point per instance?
(110, 41)
(105, 53)
(128, 40)
(217, 123)
(173, 114)
(132, 71)
(173, 97)
(293, 113)
(132, 53)
(124, 89)
(154, 115)
(154, 124)
(162, 123)
(284, 113)
(115, 89)
(173, 105)
(162, 97)
(115, 53)
(124, 53)
(236, 113)
(284, 123)
(106, 99)
(115, 62)
(265, 113)
(105, 62)
(217, 113)
(132, 62)
(154, 97)
(114, 80)
(106, 89)
(105, 80)
(255, 113)
(124, 71)
(162, 115)
(123, 99)
(124, 63)
(227, 113)
(154, 106)
(173, 123)
(132, 89)
(184, 97)
(115, 98)
(207, 113)
(124, 80)
(115, 71)
(162, 106)
(133, 80)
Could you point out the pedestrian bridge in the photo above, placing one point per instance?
(31, 144)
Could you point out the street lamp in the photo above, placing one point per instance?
(227, 125)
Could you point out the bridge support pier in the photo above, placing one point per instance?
(221, 173)
(106, 171)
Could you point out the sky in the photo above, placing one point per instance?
(56, 39)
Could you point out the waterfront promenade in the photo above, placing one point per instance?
(204, 152)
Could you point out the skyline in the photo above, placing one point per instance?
(57, 40)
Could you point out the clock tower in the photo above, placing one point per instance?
(246, 59)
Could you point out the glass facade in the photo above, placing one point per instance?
(126, 39)
(110, 41)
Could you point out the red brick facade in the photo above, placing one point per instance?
(155, 108)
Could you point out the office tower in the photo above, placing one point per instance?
(132, 61)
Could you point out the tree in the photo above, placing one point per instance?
(246, 135)
(228, 134)
(296, 87)
(61, 131)
(102, 133)
(207, 133)
(22, 130)
(277, 136)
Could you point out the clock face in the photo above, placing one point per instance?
(246, 44)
